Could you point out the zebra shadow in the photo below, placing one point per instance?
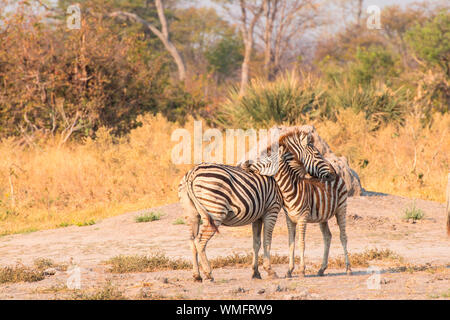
(367, 193)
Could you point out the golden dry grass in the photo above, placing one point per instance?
(107, 292)
(50, 186)
(22, 273)
(47, 186)
(158, 261)
(410, 161)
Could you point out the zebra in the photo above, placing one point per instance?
(231, 196)
(228, 195)
(306, 200)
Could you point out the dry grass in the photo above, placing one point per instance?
(50, 186)
(364, 258)
(107, 292)
(22, 273)
(409, 161)
(79, 183)
(158, 262)
(136, 263)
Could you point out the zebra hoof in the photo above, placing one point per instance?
(197, 278)
(288, 274)
(256, 275)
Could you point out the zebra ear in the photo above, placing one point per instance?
(306, 138)
(310, 138)
(248, 166)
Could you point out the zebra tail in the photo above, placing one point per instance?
(200, 208)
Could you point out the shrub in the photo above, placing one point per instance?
(72, 83)
(179, 221)
(288, 100)
(148, 217)
(19, 273)
(413, 213)
(158, 261)
(379, 103)
(431, 43)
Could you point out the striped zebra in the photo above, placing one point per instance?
(230, 196)
(306, 200)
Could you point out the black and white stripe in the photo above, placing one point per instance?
(307, 200)
(229, 196)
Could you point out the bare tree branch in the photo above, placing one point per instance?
(162, 35)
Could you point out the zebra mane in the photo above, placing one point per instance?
(268, 161)
(297, 132)
(296, 167)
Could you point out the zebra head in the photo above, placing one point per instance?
(301, 145)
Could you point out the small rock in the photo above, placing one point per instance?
(280, 288)
(261, 291)
(354, 217)
(49, 272)
(304, 295)
(239, 290)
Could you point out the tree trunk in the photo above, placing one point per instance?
(270, 12)
(245, 68)
(163, 35)
(168, 44)
(247, 35)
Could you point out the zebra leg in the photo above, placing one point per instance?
(269, 224)
(340, 217)
(195, 222)
(291, 230)
(205, 234)
(301, 225)
(326, 234)
(256, 228)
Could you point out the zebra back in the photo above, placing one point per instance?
(230, 195)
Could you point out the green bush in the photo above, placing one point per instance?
(379, 103)
(413, 213)
(372, 63)
(289, 100)
(431, 41)
(149, 217)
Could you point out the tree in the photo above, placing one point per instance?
(286, 21)
(54, 81)
(210, 45)
(431, 42)
(250, 12)
(225, 57)
(162, 34)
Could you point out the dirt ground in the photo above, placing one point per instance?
(374, 221)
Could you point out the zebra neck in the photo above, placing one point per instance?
(287, 178)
